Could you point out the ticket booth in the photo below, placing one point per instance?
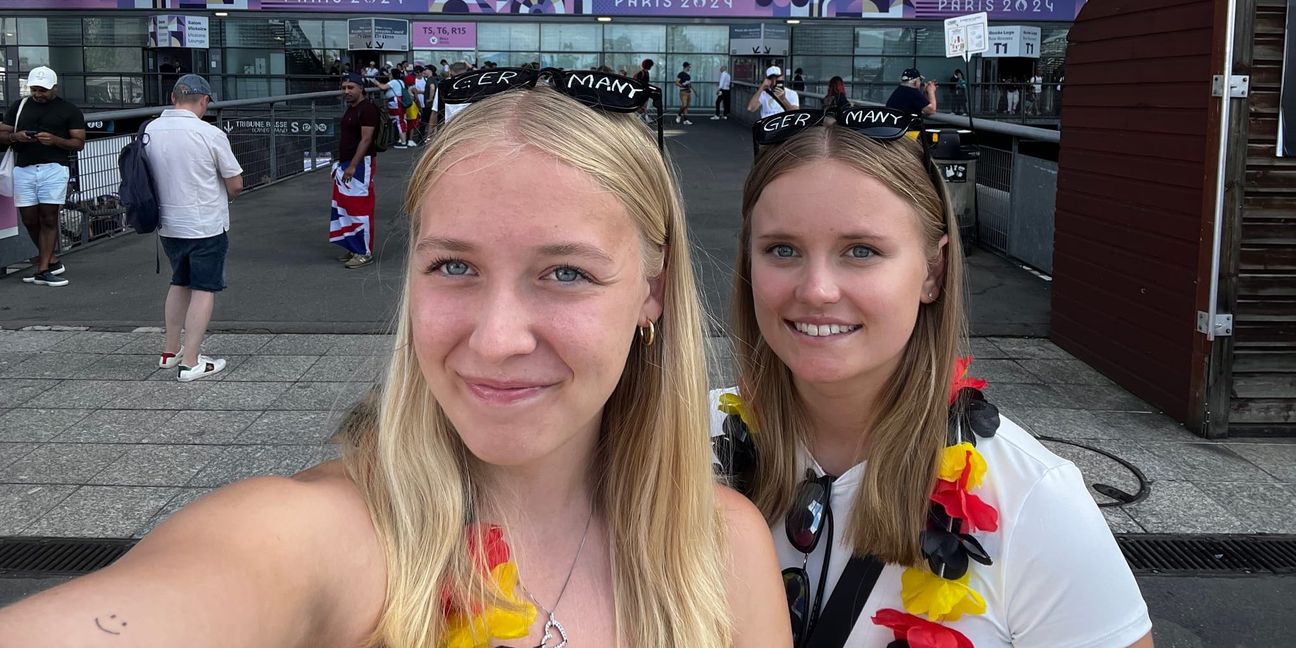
(178, 45)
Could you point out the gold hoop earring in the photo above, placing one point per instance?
(647, 338)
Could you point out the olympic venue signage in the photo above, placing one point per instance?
(1017, 10)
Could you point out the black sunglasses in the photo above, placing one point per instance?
(599, 90)
(876, 123)
(804, 525)
(873, 122)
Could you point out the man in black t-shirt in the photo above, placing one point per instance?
(912, 95)
(44, 130)
(351, 221)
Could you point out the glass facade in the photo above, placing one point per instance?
(103, 60)
(880, 53)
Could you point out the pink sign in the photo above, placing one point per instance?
(443, 35)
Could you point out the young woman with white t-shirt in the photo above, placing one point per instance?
(945, 524)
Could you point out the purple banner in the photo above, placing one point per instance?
(443, 35)
(999, 9)
(68, 4)
(348, 6)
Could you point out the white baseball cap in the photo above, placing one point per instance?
(42, 77)
(772, 70)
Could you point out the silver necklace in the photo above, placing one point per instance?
(552, 623)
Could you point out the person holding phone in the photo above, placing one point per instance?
(44, 130)
(773, 97)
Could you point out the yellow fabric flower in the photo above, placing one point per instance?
(731, 404)
(512, 622)
(941, 599)
(956, 458)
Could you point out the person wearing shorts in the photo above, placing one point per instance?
(196, 176)
(44, 131)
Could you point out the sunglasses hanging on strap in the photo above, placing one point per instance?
(820, 625)
(599, 90)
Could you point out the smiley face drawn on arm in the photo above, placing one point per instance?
(109, 623)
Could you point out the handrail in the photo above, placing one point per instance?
(130, 113)
(961, 121)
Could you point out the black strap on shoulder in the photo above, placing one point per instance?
(846, 603)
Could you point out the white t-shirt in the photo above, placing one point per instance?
(394, 89)
(420, 84)
(769, 106)
(1058, 578)
(188, 158)
(724, 80)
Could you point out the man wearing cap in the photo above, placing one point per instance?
(773, 98)
(196, 176)
(912, 95)
(351, 219)
(42, 136)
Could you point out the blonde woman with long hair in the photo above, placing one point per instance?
(904, 509)
(536, 471)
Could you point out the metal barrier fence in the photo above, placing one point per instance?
(273, 138)
(1015, 191)
(1019, 102)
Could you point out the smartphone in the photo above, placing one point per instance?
(32, 134)
(779, 83)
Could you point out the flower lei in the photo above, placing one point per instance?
(475, 627)
(941, 594)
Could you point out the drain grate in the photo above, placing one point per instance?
(1154, 553)
(41, 557)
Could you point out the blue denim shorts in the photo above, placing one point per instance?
(198, 263)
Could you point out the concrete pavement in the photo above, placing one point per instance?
(283, 278)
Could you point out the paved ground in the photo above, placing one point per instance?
(97, 442)
(283, 278)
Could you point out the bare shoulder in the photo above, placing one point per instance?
(741, 516)
(752, 580)
(269, 561)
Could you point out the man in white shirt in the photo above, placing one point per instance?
(195, 175)
(772, 97)
(372, 70)
(722, 94)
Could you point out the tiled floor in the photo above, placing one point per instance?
(95, 441)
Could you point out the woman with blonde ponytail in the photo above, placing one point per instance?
(905, 511)
(535, 472)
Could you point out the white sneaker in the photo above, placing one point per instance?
(205, 367)
(677, 120)
(688, 123)
(725, 117)
(170, 360)
(715, 117)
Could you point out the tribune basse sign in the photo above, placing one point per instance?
(277, 126)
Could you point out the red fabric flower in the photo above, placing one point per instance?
(494, 549)
(919, 632)
(962, 505)
(961, 379)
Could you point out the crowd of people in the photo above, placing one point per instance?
(543, 464)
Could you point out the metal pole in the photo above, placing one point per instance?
(1221, 171)
(313, 153)
(274, 151)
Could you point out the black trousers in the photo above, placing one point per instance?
(723, 100)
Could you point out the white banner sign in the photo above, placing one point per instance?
(966, 35)
(1017, 41)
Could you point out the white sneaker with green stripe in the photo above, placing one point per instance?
(204, 367)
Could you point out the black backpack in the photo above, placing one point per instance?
(138, 192)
